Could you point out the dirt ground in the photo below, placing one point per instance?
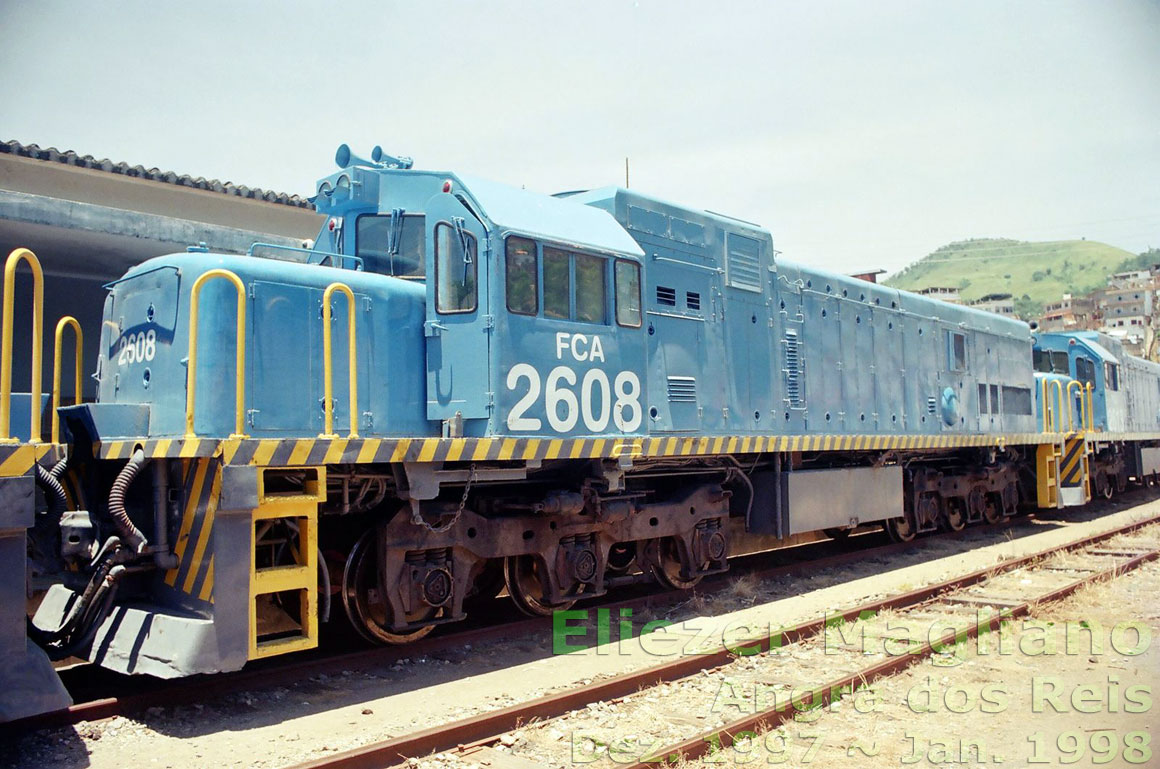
(1071, 683)
(324, 714)
(1074, 686)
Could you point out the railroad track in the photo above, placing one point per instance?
(138, 695)
(477, 737)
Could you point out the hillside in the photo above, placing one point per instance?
(1036, 273)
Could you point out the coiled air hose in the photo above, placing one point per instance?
(87, 613)
(130, 534)
(58, 469)
(53, 491)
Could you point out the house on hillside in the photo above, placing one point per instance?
(1071, 313)
(1000, 304)
(942, 293)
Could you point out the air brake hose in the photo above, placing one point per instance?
(100, 607)
(101, 566)
(130, 533)
(58, 469)
(53, 491)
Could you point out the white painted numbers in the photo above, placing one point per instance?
(137, 348)
(598, 401)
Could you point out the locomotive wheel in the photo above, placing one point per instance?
(899, 529)
(993, 509)
(526, 585)
(488, 584)
(668, 571)
(621, 557)
(954, 516)
(1103, 485)
(362, 598)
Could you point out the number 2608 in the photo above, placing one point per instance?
(137, 348)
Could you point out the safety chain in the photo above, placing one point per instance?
(417, 519)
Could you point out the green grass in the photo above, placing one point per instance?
(1034, 273)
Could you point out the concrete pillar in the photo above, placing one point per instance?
(28, 684)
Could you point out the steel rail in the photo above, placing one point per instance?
(718, 739)
(486, 728)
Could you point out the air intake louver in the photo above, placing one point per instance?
(793, 369)
(667, 296)
(693, 300)
(743, 262)
(682, 389)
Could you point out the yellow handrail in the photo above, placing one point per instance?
(1053, 390)
(1083, 412)
(79, 338)
(240, 354)
(1048, 422)
(1090, 406)
(1060, 401)
(328, 374)
(14, 259)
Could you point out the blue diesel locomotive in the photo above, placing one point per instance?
(463, 387)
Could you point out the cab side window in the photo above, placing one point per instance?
(1112, 376)
(627, 275)
(1085, 370)
(455, 269)
(957, 347)
(557, 284)
(590, 294)
(523, 297)
(560, 284)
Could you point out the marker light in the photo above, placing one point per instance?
(447, 185)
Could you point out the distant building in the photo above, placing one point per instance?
(1126, 306)
(870, 276)
(942, 293)
(1000, 304)
(1072, 313)
(1131, 279)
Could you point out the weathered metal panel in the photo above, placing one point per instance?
(1149, 461)
(823, 499)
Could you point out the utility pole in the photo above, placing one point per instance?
(626, 172)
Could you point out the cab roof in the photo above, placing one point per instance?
(548, 218)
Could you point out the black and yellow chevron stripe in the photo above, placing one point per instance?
(294, 452)
(17, 459)
(194, 572)
(1071, 465)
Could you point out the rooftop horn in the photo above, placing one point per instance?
(345, 158)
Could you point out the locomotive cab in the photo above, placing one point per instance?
(1082, 358)
(533, 309)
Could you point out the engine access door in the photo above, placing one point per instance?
(458, 322)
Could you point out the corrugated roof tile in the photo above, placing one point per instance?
(68, 157)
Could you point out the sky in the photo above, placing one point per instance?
(861, 134)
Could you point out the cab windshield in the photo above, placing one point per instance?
(391, 245)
